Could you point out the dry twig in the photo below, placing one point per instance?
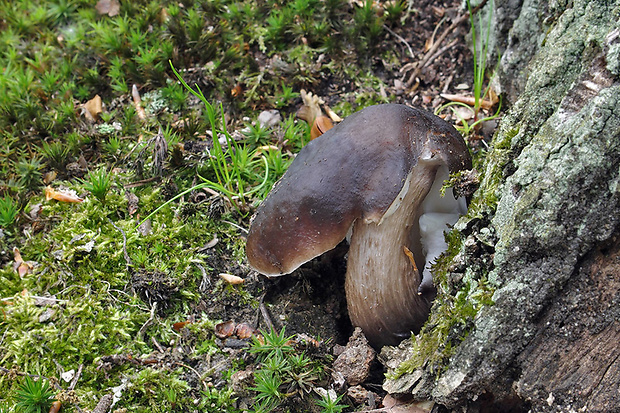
(125, 254)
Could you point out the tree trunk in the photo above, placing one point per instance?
(542, 241)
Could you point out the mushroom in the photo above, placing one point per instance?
(375, 178)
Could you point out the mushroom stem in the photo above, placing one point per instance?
(381, 284)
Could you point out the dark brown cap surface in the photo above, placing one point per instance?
(353, 171)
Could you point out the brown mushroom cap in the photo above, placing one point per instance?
(353, 171)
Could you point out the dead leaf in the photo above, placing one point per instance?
(145, 228)
(393, 405)
(82, 162)
(49, 177)
(209, 244)
(409, 255)
(231, 279)
(179, 326)
(109, 7)
(21, 267)
(463, 113)
(485, 104)
(438, 11)
(225, 329)
(132, 202)
(269, 118)
(244, 330)
(56, 406)
(332, 115)
(428, 43)
(236, 91)
(93, 108)
(61, 195)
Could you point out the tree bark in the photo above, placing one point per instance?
(546, 241)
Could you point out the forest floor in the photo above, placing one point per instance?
(101, 292)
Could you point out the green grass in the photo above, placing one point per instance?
(98, 183)
(480, 51)
(331, 405)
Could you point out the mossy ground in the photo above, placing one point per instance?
(102, 298)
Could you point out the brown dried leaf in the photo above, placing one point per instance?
(132, 202)
(49, 177)
(20, 266)
(485, 104)
(244, 330)
(332, 115)
(137, 102)
(61, 195)
(236, 91)
(93, 108)
(179, 326)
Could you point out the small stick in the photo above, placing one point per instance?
(265, 313)
(236, 226)
(156, 344)
(142, 182)
(58, 300)
(76, 377)
(195, 372)
(149, 321)
(409, 255)
(443, 50)
(137, 102)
